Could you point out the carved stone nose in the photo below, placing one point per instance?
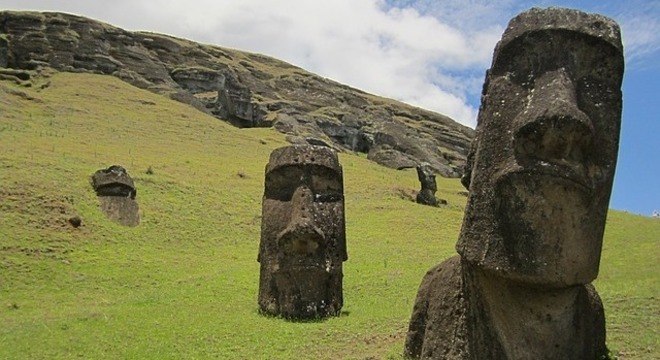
(552, 127)
(301, 236)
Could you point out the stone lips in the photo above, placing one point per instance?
(247, 90)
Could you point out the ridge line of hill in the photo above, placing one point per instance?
(245, 89)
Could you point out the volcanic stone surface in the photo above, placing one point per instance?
(303, 236)
(116, 192)
(540, 177)
(426, 195)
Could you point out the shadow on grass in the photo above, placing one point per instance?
(303, 321)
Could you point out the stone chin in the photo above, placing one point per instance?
(549, 228)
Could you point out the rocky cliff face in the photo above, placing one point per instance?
(248, 90)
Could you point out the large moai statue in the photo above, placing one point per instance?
(540, 180)
(116, 191)
(303, 236)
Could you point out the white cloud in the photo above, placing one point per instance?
(467, 15)
(640, 30)
(394, 52)
(424, 52)
(388, 51)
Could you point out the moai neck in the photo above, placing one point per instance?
(529, 322)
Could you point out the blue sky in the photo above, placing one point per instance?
(637, 182)
(429, 53)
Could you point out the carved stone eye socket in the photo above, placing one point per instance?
(582, 56)
(325, 184)
(327, 187)
(282, 183)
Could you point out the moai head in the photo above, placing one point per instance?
(116, 192)
(303, 240)
(113, 181)
(426, 178)
(545, 151)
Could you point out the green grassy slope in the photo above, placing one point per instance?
(183, 284)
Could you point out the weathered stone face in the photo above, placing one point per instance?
(426, 195)
(539, 174)
(546, 146)
(303, 241)
(116, 192)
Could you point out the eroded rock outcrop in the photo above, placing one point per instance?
(248, 90)
(116, 192)
(540, 179)
(303, 235)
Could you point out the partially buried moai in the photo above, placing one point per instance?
(426, 194)
(116, 192)
(540, 175)
(303, 240)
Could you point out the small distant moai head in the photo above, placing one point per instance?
(542, 163)
(426, 178)
(303, 239)
(116, 192)
(113, 181)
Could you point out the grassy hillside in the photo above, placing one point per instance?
(183, 284)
